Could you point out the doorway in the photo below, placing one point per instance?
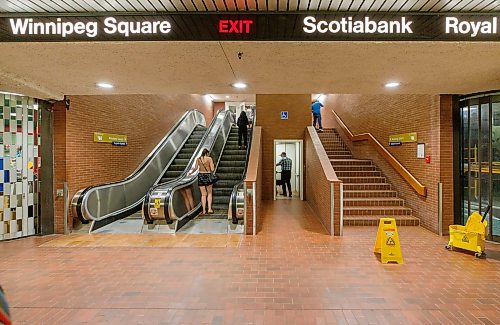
(293, 150)
(480, 158)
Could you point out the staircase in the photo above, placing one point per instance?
(182, 159)
(230, 172)
(368, 196)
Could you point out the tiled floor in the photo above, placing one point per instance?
(291, 273)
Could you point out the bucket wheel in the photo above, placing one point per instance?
(479, 254)
(448, 247)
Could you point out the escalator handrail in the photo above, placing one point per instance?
(199, 148)
(190, 179)
(234, 193)
(137, 171)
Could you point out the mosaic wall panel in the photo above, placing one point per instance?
(19, 166)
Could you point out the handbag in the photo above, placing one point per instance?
(212, 177)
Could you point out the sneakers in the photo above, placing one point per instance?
(320, 130)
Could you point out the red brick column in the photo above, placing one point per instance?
(59, 165)
(446, 159)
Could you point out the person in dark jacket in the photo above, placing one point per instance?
(243, 125)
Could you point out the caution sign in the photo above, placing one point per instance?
(387, 242)
(157, 203)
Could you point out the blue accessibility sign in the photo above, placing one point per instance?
(284, 115)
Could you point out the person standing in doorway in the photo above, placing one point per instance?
(243, 124)
(316, 111)
(286, 174)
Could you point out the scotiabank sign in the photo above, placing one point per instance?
(252, 27)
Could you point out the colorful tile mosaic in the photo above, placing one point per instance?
(19, 165)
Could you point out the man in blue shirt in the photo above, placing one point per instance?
(316, 111)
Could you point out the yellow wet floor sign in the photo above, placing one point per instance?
(387, 242)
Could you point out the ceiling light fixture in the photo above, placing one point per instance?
(9, 93)
(227, 96)
(104, 85)
(392, 84)
(239, 85)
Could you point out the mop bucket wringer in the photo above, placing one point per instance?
(470, 237)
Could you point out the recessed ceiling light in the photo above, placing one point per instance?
(239, 85)
(392, 84)
(227, 96)
(104, 85)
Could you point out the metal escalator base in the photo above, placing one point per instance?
(210, 226)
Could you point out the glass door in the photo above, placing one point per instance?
(480, 158)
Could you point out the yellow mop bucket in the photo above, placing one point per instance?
(471, 236)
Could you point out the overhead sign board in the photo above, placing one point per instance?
(294, 26)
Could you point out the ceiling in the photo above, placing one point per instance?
(249, 98)
(51, 6)
(51, 70)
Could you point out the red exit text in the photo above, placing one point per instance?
(235, 26)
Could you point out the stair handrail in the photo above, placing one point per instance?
(398, 167)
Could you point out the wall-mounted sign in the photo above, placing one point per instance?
(420, 150)
(403, 138)
(110, 138)
(268, 26)
(284, 115)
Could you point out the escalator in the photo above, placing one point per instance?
(178, 203)
(181, 160)
(105, 203)
(230, 170)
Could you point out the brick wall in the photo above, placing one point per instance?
(60, 163)
(254, 174)
(319, 191)
(446, 159)
(268, 108)
(384, 115)
(143, 118)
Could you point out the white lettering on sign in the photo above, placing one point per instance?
(27, 26)
(365, 26)
(135, 27)
(487, 27)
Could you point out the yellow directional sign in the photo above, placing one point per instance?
(109, 138)
(405, 137)
(387, 242)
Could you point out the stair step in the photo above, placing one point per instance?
(374, 220)
(231, 163)
(236, 170)
(369, 194)
(351, 161)
(172, 174)
(341, 168)
(367, 179)
(371, 202)
(339, 156)
(386, 211)
(367, 186)
(358, 173)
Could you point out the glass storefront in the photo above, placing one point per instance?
(480, 158)
(19, 166)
